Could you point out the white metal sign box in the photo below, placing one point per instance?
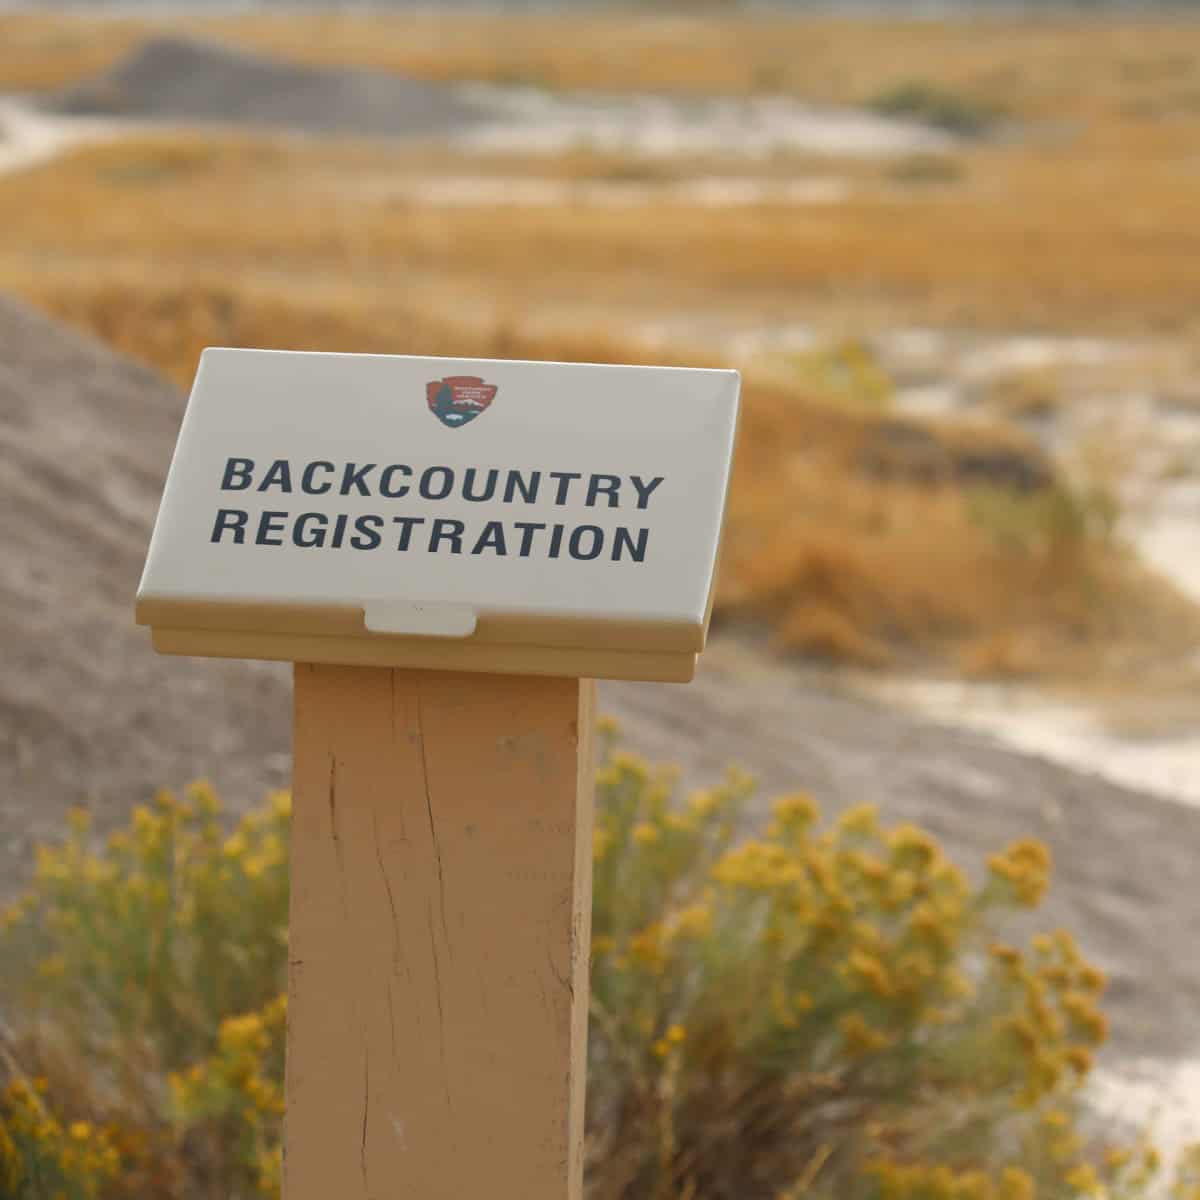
(524, 517)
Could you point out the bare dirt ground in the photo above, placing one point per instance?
(89, 715)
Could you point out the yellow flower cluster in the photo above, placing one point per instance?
(1025, 867)
(759, 866)
(793, 815)
(674, 1037)
(243, 1080)
(1055, 1020)
(916, 1182)
(39, 1156)
(859, 1037)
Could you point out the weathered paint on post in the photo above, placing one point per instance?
(440, 928)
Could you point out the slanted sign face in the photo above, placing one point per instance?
(496, 516)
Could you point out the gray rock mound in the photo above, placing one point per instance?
(88, 713)
(177, 79)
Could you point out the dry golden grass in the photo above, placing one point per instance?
(1035, 241)
(1051, 67)
(1087, 218)
(842, 566)
(162, 245)
(40, 51)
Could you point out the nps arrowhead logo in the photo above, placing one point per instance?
(458, 399)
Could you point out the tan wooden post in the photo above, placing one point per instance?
(440, 928)
(386, 523)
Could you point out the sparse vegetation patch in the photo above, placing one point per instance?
(814, 1010)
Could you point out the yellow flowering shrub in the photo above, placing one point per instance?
(41, 1158)
(138, 949)
(232, 1103)
(128, 958)
(828, 1009)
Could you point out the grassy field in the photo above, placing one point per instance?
(1082, 219)
(1031, 66)
(1083, 215)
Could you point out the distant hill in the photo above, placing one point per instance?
(180, 79)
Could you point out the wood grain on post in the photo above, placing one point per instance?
(440, 927)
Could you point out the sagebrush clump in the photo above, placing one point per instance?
(816, 1011)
